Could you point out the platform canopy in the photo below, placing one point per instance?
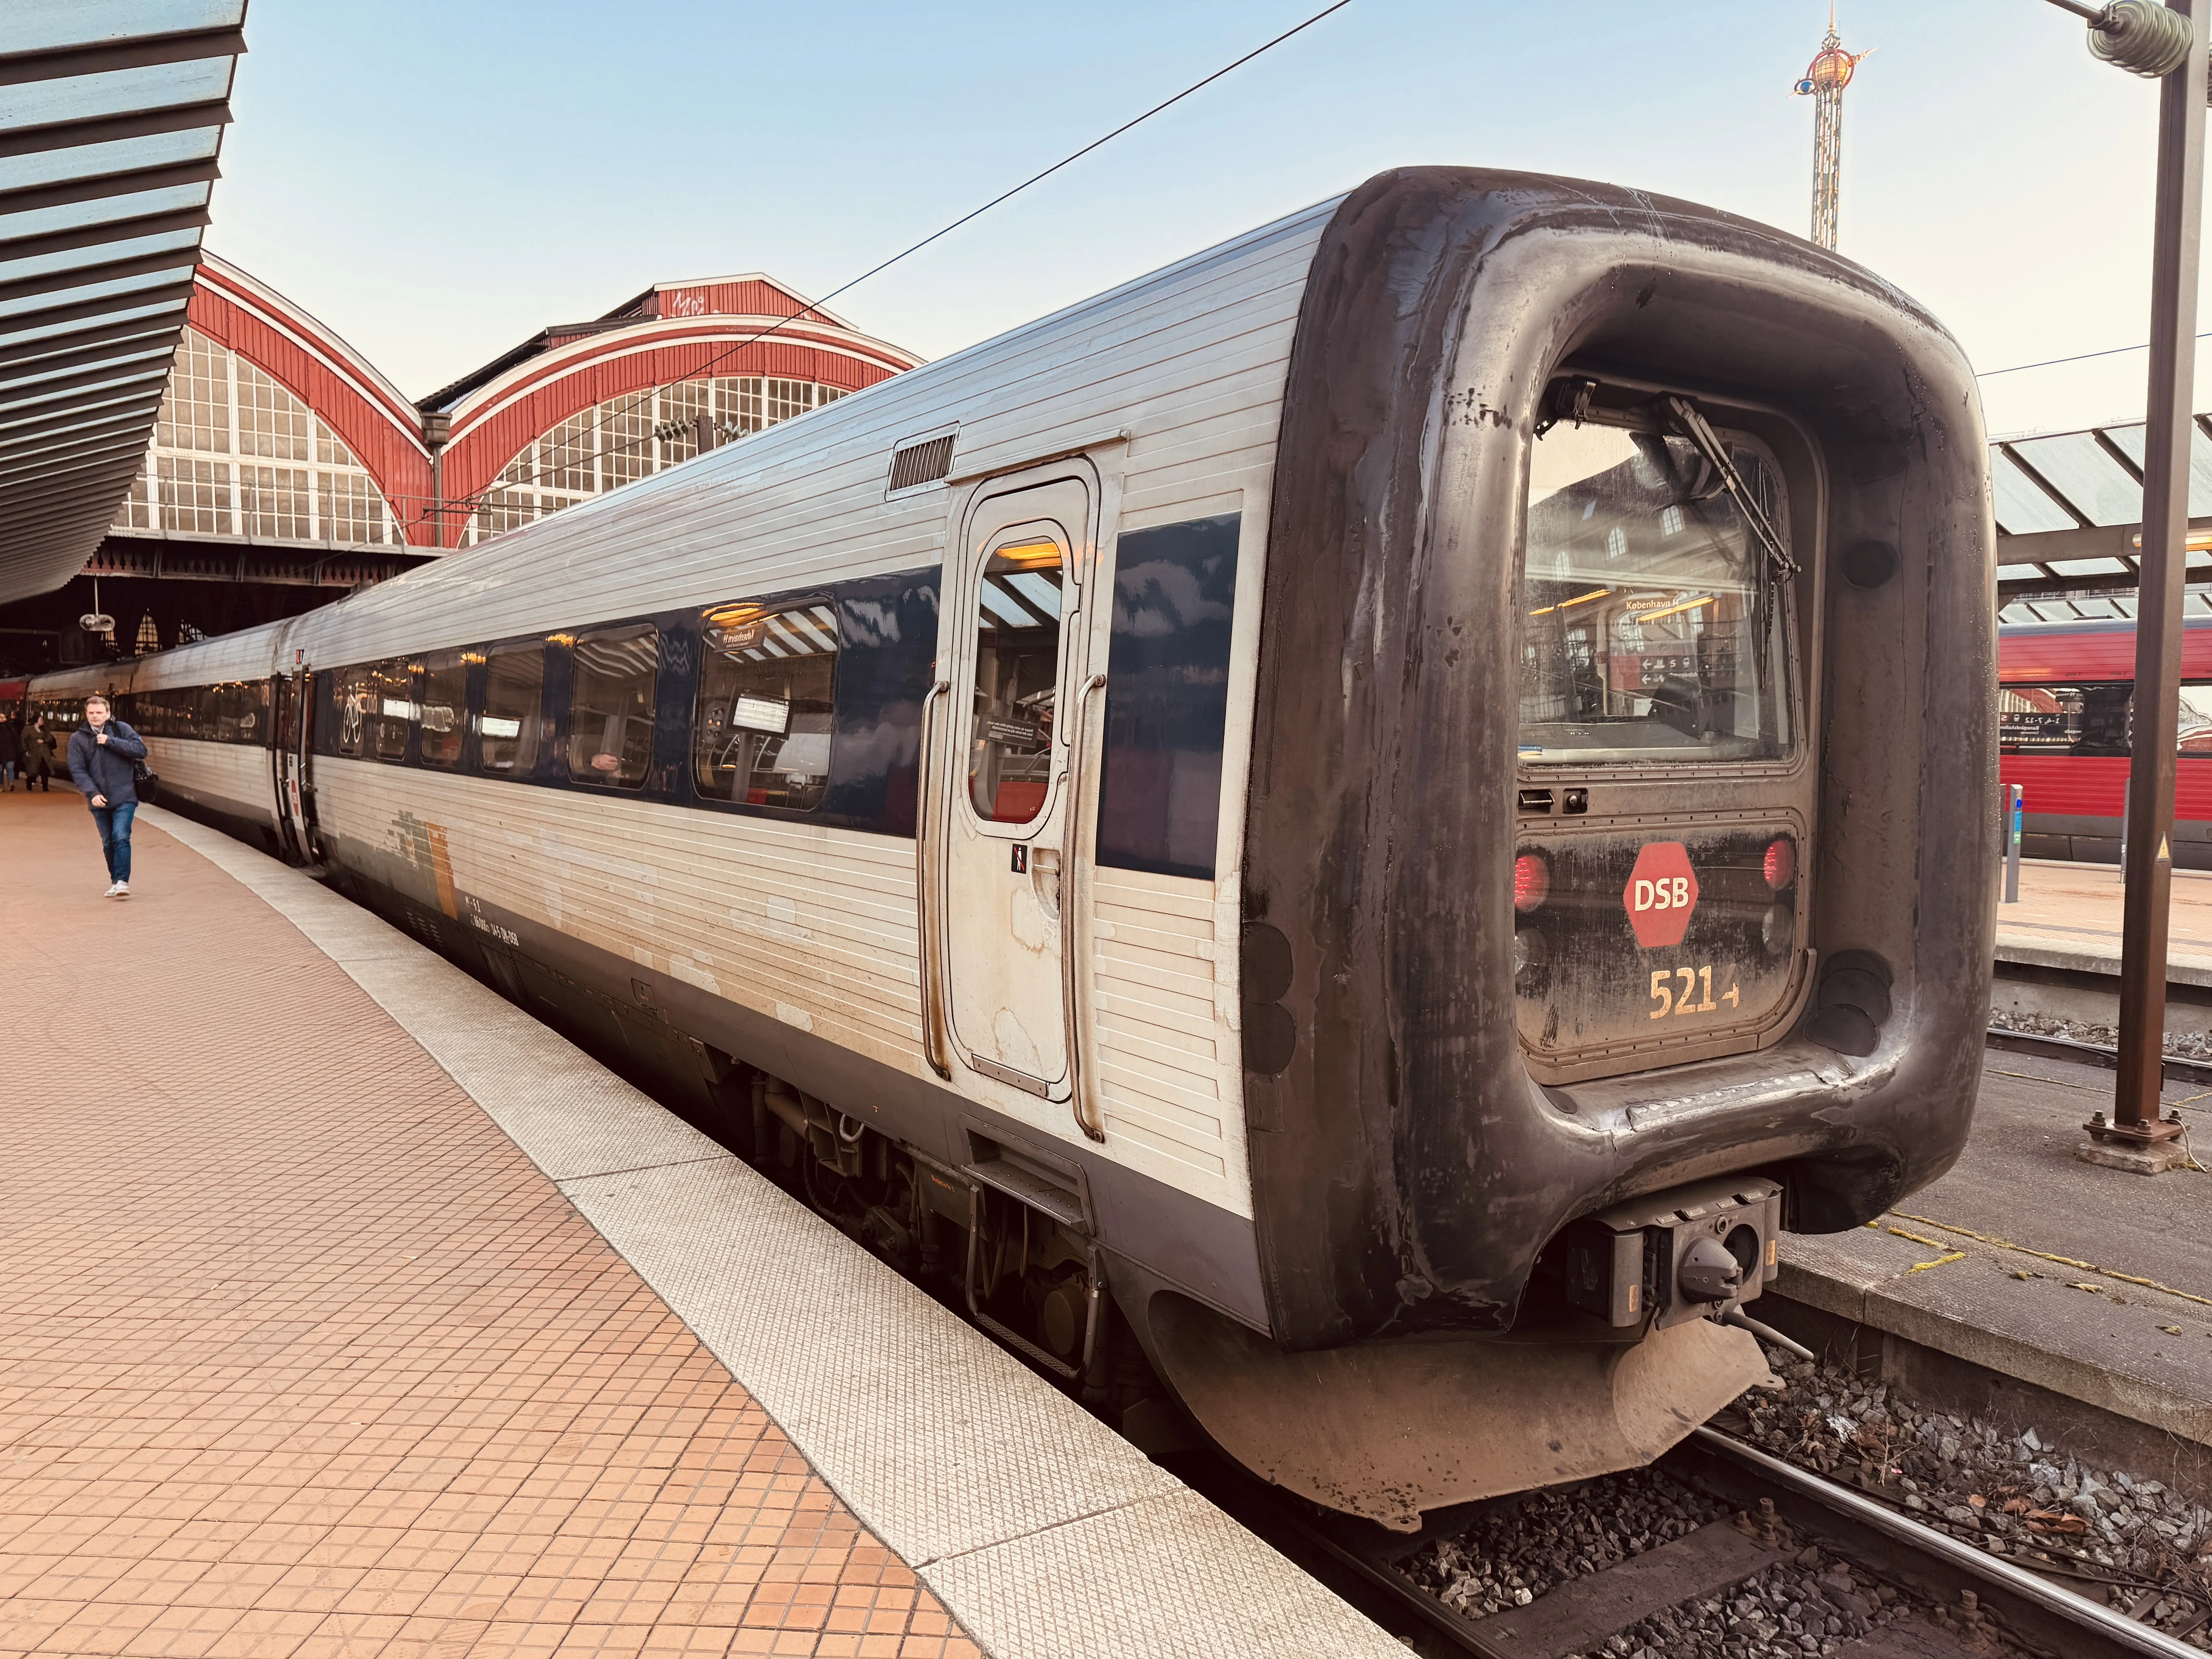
(2069, 508)
(110, 126)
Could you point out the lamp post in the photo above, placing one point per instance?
(2165, 43)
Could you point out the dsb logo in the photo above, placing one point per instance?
(1660, 893)
(1667, 893)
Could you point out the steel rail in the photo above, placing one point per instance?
(2017, 1582)
(2178, 1069)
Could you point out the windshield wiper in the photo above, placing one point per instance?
(1700, 433)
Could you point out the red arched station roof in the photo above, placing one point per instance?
(675, 332)
(378, 424)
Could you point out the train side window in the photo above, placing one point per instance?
(353, 697)
(237, 712)
(611, 706)
(2194, 734)
(1167, 697)
(444, 710)
(2065, 719)
(288, 716)
(1018, 610)
(512, 726)
(766, 694)
(394, 693)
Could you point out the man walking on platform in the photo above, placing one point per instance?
(103, 757)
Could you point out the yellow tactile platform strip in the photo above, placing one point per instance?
(299, 1356)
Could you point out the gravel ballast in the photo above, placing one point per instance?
(2137, 1544)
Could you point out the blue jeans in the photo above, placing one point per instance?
(114, 823)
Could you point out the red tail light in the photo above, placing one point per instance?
(1532, 882)
(1781, 866)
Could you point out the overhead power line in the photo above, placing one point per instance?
(466, 503)
(2081, 357)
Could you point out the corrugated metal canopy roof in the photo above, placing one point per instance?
(109, 131)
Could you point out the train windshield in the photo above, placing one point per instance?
(1653, 627)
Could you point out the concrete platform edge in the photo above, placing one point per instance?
(1882, 1299)
(1043, 1532)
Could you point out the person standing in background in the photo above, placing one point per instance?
(38, 759)
(103, 757)
(11, 751)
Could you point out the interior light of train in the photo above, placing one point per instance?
(1532, 882)
(1676, 609)
(1031, 556)
(1579, 599)
(561, 639)
(729, 615)
(472, 656)
(1780, 866)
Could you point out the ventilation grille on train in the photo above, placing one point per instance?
(922, 463)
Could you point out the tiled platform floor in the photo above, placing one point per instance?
(299, 1356)
(2076, 906)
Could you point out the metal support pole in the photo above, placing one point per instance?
(2015, 796)
(2149, 861)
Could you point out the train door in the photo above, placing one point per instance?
(1013, 648)
(295, 743)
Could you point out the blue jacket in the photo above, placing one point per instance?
(105, 768)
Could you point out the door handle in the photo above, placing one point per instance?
(924, 892)
(1074, 908)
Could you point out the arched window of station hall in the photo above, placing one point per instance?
(234, 453)
(623, 439)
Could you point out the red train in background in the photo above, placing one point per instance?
(2065, 718)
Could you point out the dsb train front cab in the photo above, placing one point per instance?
(1616, 887)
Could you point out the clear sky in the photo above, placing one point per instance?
(437, 180)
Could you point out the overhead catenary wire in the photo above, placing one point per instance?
(466, 503)
(2079, 357)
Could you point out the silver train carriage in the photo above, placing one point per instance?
(1356, 825)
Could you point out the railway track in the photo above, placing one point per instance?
(2178, 1068)
(1860, 1551)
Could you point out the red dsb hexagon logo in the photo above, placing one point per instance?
(1662, 891)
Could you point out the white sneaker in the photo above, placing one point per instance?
(113, 888)
(123, 890)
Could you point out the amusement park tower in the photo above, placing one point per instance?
(1824, 81)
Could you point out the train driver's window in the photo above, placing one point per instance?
(395, 707)
(445, 708)
(1654, 626)
(610, 708)
(1016, 677)
(766, 690)
(510, 728)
